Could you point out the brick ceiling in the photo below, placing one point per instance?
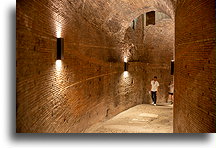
(115, 16)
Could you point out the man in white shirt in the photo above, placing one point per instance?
(154, 89)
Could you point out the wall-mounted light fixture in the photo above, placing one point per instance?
(60, 49)
(125, 66)
(172, 67)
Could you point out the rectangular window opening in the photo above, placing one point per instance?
(150, 18)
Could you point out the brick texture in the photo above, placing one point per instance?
(152, 48)
(194, 107)
(88, 87)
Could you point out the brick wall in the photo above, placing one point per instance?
(152, 50)
(89, 86)
(194, 107)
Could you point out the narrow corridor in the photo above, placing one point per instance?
(81, 63)
(139, 119)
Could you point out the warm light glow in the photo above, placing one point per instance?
(125, 59)
(126, 74)
(58, 65)
(125, 79)
(172, 60)
(58, 29)
(58, 33)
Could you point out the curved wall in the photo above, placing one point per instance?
(88, 86)
(194, 106)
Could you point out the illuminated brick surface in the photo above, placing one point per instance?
(90, 85)
(194, 107)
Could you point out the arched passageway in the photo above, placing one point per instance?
(89, 85)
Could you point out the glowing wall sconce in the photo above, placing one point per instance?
(60, 49)
(172, 67)
(125, 66)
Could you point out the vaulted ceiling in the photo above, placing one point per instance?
(115, 16)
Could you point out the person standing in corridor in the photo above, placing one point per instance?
(171, 92)
(154, 90)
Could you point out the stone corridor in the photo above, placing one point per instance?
(80, 62)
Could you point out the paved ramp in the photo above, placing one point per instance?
(143, 118)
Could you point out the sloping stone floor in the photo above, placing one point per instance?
(144, 118)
